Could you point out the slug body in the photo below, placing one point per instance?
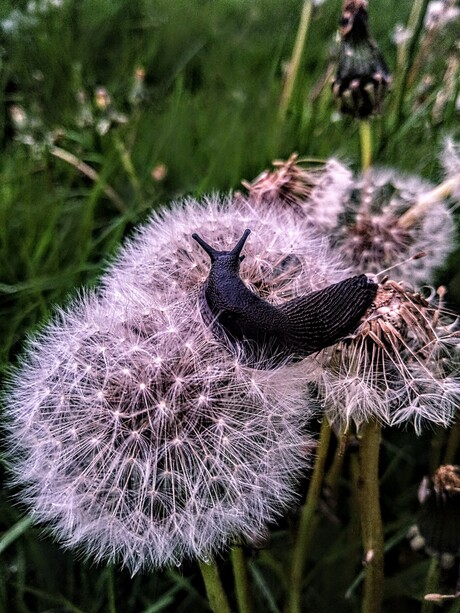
(295, 329)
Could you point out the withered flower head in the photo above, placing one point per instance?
(362, 79)
(438, 521)
(315, 194)
(400, 366)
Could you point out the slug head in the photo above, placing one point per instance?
(229, 260)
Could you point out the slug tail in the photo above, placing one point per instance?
(321, 318)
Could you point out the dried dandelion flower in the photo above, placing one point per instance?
(401, 366)
(134, 430)
(316, 195)
(380, 220)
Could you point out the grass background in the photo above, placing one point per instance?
(207, 114)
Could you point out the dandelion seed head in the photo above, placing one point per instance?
(401, 366)
(371, 238)
(135, 433)
(284, 258)
(436, 527)
(148, 464)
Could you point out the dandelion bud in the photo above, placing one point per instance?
(437, 528)
(362, 79)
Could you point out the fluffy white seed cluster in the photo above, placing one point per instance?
(135, 432)
(372, 238)
(400, 367)
(362, 216)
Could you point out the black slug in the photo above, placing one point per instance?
(294, 329)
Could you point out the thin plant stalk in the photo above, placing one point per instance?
(308, 521)
(371, 519)
(111, 591)
(438, 442)
(217, 597)
(438, 193)
(89, 172)
(431, 584)
(411, 25)
(294, 63)
(241, 577)
(365, 137)
(331, 479)
(15, 532)
(453, 444)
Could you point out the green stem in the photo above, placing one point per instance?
(437, 445)
(111, 591)
(453, 443)
(294, 63)
(308, 521)
(241, 576)
(216, 595)
(331, 480)
(365, 136)
(431, 584)
(14, 532)
(371, 520)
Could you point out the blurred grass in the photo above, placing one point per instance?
(204, 117)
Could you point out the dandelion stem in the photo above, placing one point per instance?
(308, 521)
(365, 136)
(438, 193)
(14, 532)
(241, 576)
(216, 595)
(453, 443)
(332, 477)
(126, 160)
(294, 63)
(431, 584)
(111, 591)
(371, 520)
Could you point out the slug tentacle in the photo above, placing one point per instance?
(289, 331)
